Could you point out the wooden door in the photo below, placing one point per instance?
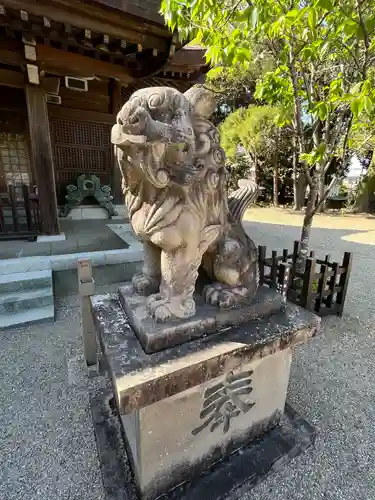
(80, 146)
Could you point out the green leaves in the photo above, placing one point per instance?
(243, 16)
(323, 53)
(312, 18)
(368, 104)
(325, 4)
(356, 107)
(321, 110)
(275, 87)
(316, 156)
(255, 129)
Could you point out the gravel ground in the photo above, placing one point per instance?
(47, 446)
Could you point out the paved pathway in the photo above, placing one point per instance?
(47, 447)
(88, 235)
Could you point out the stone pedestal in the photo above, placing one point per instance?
(185, 409)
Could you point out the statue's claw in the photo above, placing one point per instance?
(224, 296)
(145, 285)
(163, 309)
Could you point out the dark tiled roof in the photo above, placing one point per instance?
(146, 9)
(190, 55)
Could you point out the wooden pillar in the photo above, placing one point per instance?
(42, 158)
(116, 105)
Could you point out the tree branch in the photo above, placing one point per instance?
(324, 197)
(366, 39)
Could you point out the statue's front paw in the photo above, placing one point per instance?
(159, 308)
(145, 285)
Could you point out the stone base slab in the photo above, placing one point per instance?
(155, 337)
(95, 212)
(245, 468)
(140, 379)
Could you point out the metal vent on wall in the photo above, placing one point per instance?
(53, 99)
(78, 84)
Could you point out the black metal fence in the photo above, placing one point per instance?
(19, 213)
(321, 287)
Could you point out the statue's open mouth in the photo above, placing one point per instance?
(119, 138)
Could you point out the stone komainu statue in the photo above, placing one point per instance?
(174, 181)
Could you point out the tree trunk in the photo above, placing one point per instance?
(321, 192)
(362, 201)
(297, 205)
(306, 229)
(300, 191)
(276, 185)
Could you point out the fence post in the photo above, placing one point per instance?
(321, 287)
(308, 281)
(274, 269)
(344, 281)
(86, 285)
(283, 285)
(332, 285)
(294, 258)
(261, 258)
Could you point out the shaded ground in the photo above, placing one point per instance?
(88, 235)
(47, 447)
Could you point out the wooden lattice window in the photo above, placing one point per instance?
(80, 147)
(14, 160)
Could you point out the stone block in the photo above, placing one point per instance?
(51, 238)
(207, 320)
(118, 256)
(27, 316)
(187, 407)
(24, 264)
(243, 470)
(15, 302)
(205, 423)
(25, 281)
(94, 213)
(74, 214)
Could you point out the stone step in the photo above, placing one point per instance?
(27, 316)
(26, 281)
(17, 302)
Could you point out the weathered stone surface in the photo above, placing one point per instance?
(249, 465)
(187, 407)
(208, 319)
(140, 379)
(174, 182)
(205, 424)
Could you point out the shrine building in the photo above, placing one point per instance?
(66, 68)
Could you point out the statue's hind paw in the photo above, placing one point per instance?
(162, 309)
(224, 296)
